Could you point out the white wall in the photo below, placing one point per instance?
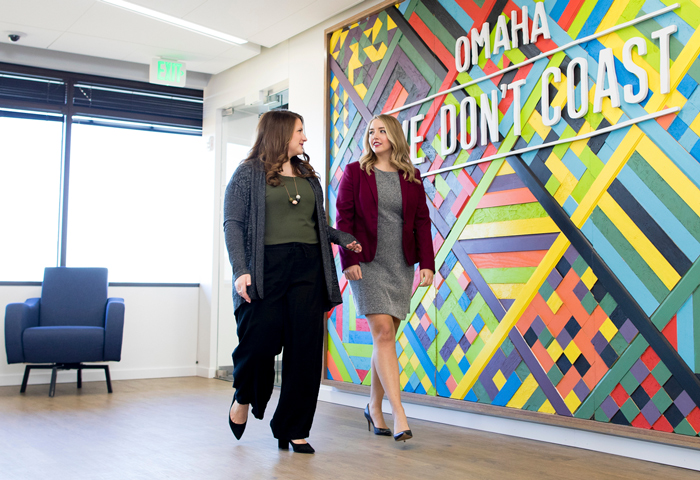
(298, 62)
(160, 335)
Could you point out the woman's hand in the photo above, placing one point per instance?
(353, 272)
(354, 246)
(426, 277)
(242, 283)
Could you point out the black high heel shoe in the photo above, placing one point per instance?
(236, 428)
(297, 447)
(405, 435)
(377, 431)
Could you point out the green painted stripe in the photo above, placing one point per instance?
(666, 194)
(581, 18)
(508, 212)
(338, 361)
(419, 63)
(349, 137)
(447, 40)
(612, 378)
(358, 349)
(584, 184)
(383, 64)
(488, 317)
(640, 268)
(468, 211)
(696, 329)
(507, 275)
(678, 296)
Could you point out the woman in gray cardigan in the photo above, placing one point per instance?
(278, 242)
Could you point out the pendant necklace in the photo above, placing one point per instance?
(297, 198)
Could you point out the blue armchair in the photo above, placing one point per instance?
(73, 322)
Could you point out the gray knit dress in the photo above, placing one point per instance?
(387, 280)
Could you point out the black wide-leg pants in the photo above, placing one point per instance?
(290, 316)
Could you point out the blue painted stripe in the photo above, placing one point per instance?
(658, 211)
(362, 338)
(596, 16)
(343, 354)
(426, 361)
(685, 328)
(361, 363)
(458, 14)
(623, 272)
(685, 31)
(508, 390)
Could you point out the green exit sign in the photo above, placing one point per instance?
(168, 72)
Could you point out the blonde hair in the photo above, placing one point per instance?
(400, 153)
(274, 132)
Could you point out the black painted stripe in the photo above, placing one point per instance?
(634, 312)
(650, 228)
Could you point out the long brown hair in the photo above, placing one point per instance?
(400, 151)
(274, 132)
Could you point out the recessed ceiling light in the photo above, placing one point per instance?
(178, 22)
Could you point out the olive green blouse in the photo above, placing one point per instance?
(286, 222)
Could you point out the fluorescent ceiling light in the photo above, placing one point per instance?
(178, 22)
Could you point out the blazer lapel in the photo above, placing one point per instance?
(372, 183)
(405, 192)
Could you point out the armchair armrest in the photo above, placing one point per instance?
(114, 329)
(18, 317)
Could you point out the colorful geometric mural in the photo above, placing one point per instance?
(568, 275)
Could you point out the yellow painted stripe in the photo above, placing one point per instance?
(505, 169)
(607, 175)
(507, 290)
(671, 174)
(651, 255)
(611, 18)
(680, 67)
(526, 226)
(523, 394)
(511, 317)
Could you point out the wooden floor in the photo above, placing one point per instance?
(177, 429)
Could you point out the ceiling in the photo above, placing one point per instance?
(90, 27)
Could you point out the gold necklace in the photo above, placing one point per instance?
(295, 200)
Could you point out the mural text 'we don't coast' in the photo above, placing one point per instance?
(559, 143)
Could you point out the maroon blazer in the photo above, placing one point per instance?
(358, 209)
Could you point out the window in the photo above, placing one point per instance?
(138, 204)
(133, 193)
(30, 180)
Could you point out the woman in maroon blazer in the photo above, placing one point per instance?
(381, 201)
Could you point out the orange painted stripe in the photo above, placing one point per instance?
(508, 259)
(332, 369)
(569, 14)
(393, 96)
(506, 197)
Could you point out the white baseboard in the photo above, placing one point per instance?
(206, 372)
(42, 376)
(625, 447)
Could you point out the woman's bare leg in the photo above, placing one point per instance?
(376, 395)
(384, 361)
(238, 413)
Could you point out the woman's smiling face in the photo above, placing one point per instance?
(378, 139)
(296, 143)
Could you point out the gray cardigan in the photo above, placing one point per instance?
(244, 230)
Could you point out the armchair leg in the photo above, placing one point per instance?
(80, 377)
(52, 387)
(109, 380)
(27, 369)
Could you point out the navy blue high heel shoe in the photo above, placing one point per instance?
(405, 435)
(377, 431)
(236, 428)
